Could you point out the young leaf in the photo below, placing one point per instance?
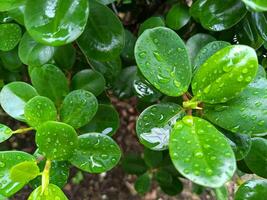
(143, 183)
(10, 60)
(56, 22)
(10, 35)
(13, 98)
(225, 74)
(5, 133)
(256, 159)
(153, 158)
(178, 16)
(33, 53)
(154, 125)
(52, 192)
(134, 164)
(162, 58)
(6, 5)
(105, 121)
(50, 82)
(8, 159)
(89, 80)
(24, 172)
(96, 153)
(18, 13)
(39, 110)
(102, 39)
(244, 114)
(151, 22)
(252, 190)
(257, 5)
(65, 56)
(173, 188)
(201, 153)
(78, 108)
(56, 140)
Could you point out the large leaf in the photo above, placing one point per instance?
(78, 108)
(103, 37)
(52, 192)
(5, 133)
(155, 123)
(56, 22)
(56, 140)
(162, 57)
(201, 153)
(6, 5)
(96, 153)
(13, 98)
(225, 74)
(50, 82)
(8, 159)
(10, 35)
(218, 15)
(257, 5)
(252, 190)
(245, 114)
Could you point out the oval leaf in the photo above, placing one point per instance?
(5, 133)
(178, 16)
(52, 192)
(151, 22)
(143, 184)
(24, 172)
(6, 5)
(10, 35)
(257, 5)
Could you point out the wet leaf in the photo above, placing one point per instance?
(5, 133)
(178, 16)
(52, 192)
(151, 22)
(257, 5)
(10, 35)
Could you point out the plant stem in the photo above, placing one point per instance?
(23, 130)
(45, 175)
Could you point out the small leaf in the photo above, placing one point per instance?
(127, 53)
(10, 60)
(192, 153)
(65, 56)
(134, 164)
(178, 16)
(168, 68)
(52, 192)
(235, 65)
(143, 184)
(151, 22)
(6, 5)
(257, 5)
(39, 110)
(5, 133)
(153, 158)
(10, 35)
(78, 108)
(173, 188)
(256, 159)
(105, 121)
(155, 124)
(56, 22)
(13, 98)
(260, 21)
(96, 153)
(56, 140)
(24, 172)
(8, 159)
(252, 190)
(164, 177)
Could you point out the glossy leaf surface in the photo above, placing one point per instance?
(10, 35)
(24, 172)
(52, 192)
(56, 140)
(162, 58)
(65, 56)
(13, 98)
(5, 133)
(56, 22)
(96, 153)
(127, 53)
(257, 5)
(155, 123)
(78, 108)
(6, 5)
(178, 16)
(10, 60)
(231, 67)
(102, 39)
(151, 22)
(201, 153)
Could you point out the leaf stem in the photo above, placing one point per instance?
(45, 175)
(23, 130)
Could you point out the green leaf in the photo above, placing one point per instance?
(18, 14)
(52, 192)
(257, 5)
(10, 35)
(56, 22)
(24, 172)
(65, 56)
(171, 188)
(252, 190)
(102, 39)
(153, 158)
(78, 108)
(96, 153)
(261, 23)
(33, 53)
(6, 5)
(244, 114)
(56, 140)
(13, 98)
(164, 177)
(105, 121)
(218, 15)
(134, 164)
(221, 193)
(89, 80)
(127, 53)
(155, 123)
(207, 51)
(193, 154)
(195, 43)
(143, 183)
(225, 74)
(5, 133)
(39, 110)
(8, 159)
(178, 16)
(10, 60)
(151, 22)
(256, 159)
(50, 82)
(162, 58)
